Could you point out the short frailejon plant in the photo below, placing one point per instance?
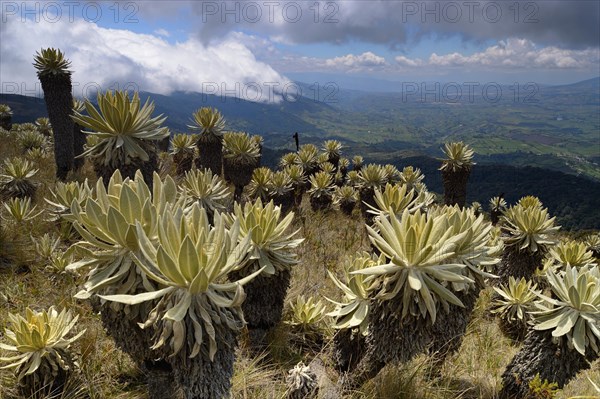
(260, 184)
(16, 179)
(321, 191)
(530, 232)
(308, 320)
(272, 250)
(210, 191)
(565, 338)
(5, 117)
(43, 360)
(512, 305)
(183, 149)
(497, 207)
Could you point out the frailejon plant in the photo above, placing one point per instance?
(410, 176)
(260, 184)
(272, 250)
(301, 382)
(392, 174)
(54, 74)
(592, 241)
(530, 232)
(21, 210)
(308, 320)
(197, 317)
(299, 182)
(370, 177)
(40, 339)
(512, 305)
(321, 191)
(456, 168)
(394, 199)
(565, 338)
(307, 158)
(497, 207)
(433, 268)
(183, 149)
(208, 190)
(127, 135)
(31, 139)
(345, 199)
(240, 157)
(357, 163)
(281, 191)
(44, 126)
(351, 315)
(570, 253)
(5, 117)
(210, 124)
(289, 159)
(60, 201)
(16, 179)
(333, 149)
(108, 227)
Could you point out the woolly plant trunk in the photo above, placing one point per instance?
(347, 207)
(334, 160)
(392, 340)
(539, 354)
(210, 155)
(183, 163)
(59, 103)
(45, 382)
(367, 196)
(348, 349)
(455, 186)
(320, 203)
(263, 306)
(285, 201)
(495, 216)
(201, 378)
(518, 264)
(78, 143)
(238, 173)
(6, 122)
(136, 342)
(147, 168)
(513, 329)
(450, 328)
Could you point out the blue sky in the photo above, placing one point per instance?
(250, 46)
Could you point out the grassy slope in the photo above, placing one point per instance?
(330, 238)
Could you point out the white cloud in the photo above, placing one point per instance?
(112, 58)
(162, 32)
(352, 62)
(520, 54)
(408, 62)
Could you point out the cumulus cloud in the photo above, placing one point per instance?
(353, 62)
(513, 54)
(114, 58)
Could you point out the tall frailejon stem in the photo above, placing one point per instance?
(456, 169)
(55, 77)
(211, 124)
